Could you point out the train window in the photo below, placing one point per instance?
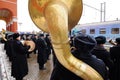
(115, 30)
(92, 31)
(102, 31)
(83, 31)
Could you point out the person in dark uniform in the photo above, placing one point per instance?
(100, 52)
(9, 43)
(34, 39)
(83, 44)
(19, 59)
(115, 55)
(28, 38)
(41, 47)
(49, 46)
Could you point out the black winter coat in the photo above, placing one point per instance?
(9, 48)
(101, 53)
(42, 55)
(61, 73)
(19, 59)
(115, 55)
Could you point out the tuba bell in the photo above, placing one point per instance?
(57, 17)
(29, 43)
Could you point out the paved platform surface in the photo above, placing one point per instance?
(34, 72)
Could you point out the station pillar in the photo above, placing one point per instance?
(8, 12)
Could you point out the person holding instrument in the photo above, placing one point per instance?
(115, 56)
(19, 59)
(83, 44)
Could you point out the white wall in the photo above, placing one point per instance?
(24, 21)
(2, 25)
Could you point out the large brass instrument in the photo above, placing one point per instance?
(111, 42)
(29, 43)
(3, 34)
(57, 17)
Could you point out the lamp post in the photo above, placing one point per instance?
(20, 24)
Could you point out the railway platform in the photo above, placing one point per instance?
(34, 72)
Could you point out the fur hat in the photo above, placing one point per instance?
(41, 35)
(84, 42)
(101, 39)
(10, 35)
(16, 35)
(118, 40)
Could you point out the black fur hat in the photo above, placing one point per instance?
(41, 35)
(16, 35)
(10, 35)
(101, 39)
(84, 42)
(118, 40)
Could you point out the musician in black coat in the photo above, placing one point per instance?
(34, 39)
(83, 44)
(19, 59)
(115, 55)
(49, 46)
(9, 46)
(42, 48)
(100, 52)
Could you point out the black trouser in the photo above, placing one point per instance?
(28, 54)
(19, 78)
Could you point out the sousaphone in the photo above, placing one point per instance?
(58, 17)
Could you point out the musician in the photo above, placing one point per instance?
(19, 59)
(49, 45)
(115, 55)
(83, 44)
(100, 52)
(42, 48)
(34, 39)
(8, 45)
(28, 39)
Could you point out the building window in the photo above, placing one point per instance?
(102, 31)
(115, 30)
(92, 31)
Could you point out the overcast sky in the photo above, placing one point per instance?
(91, 13)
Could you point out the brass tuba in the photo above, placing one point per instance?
(58, 17)
(29, 43)
(112, 42)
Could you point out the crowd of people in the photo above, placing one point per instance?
(18, 52)
(109, 56)
(84, 47)
(92, 51)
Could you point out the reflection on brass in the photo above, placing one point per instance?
(57, 17)
(112, 42)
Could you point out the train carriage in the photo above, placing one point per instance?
(110, 30)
